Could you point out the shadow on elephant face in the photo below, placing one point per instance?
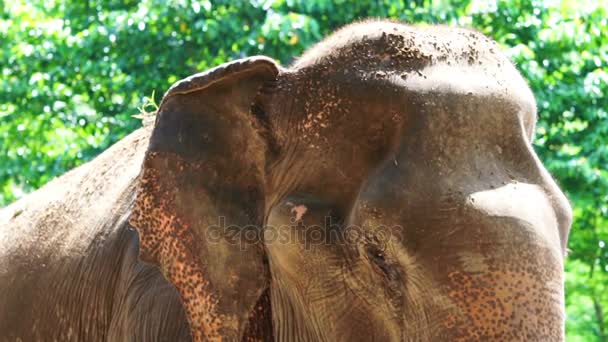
(382, 188)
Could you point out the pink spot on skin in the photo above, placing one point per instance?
(300, 210)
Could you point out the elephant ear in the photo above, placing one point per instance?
(201, 198)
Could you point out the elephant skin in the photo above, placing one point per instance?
(69, 268)
(383, 187)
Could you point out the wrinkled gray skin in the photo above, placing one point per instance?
(69, 268)
(382, 188)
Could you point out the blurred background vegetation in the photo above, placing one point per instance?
(74, 72)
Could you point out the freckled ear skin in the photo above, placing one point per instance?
(204, 170)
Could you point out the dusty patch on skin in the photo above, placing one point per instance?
(401, 50)
(167, 240)
(507, 303)
(318, 116)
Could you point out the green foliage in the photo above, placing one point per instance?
(74, 74)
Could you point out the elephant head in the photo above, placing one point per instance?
(383, 187)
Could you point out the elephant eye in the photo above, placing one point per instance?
(378, 258)
(374, 253)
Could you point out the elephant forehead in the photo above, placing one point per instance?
(384, 43)
(382, 75)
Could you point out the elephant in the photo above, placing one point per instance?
(383, 187)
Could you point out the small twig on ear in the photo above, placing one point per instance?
(148, 108)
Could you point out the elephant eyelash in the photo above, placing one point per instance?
(376, 255)
(378, 259)
(375, 252)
